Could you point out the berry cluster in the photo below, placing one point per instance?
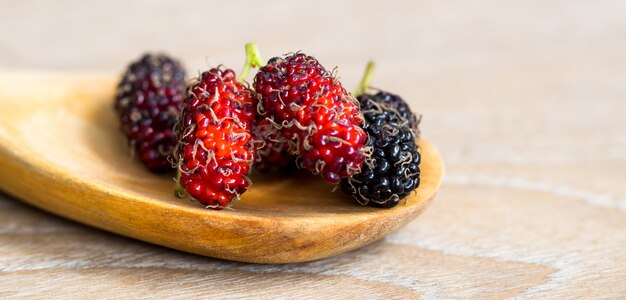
(296, 111)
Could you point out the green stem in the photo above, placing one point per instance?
(179, 191)
(253, 59)
(367, 78)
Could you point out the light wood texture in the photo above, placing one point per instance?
(61, 150)
(524, 99)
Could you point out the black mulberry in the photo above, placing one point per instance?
(392, 172)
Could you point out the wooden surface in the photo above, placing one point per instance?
(525, 99)
(94, 180)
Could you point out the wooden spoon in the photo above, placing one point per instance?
(61, 150)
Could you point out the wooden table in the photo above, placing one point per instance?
(526, 101)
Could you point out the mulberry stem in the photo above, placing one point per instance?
(253, 59)
(367, 78)
(179, 191)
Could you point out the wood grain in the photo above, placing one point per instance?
(524, 98)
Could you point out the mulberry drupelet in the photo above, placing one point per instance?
(392, 101)
(273, 153)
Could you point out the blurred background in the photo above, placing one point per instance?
(463, 65)
(526, 100)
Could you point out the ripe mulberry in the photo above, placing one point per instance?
(147, 102)
(392, 171)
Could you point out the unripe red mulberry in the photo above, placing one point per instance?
(311, 109)
(216, 145)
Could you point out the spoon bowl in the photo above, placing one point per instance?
(61, 150)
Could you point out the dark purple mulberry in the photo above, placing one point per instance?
(148, 104)
(392, 172)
